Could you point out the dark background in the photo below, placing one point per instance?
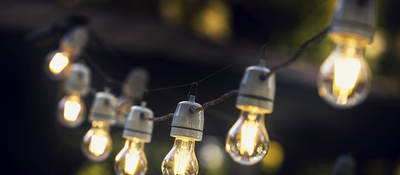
(174, 50)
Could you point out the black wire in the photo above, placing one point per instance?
(194, 83)
(264, 47)
(169, 87)
(108, 50)
(193, 89)
(108, 80)
(263, 51)
(300, 50)
(61, 26)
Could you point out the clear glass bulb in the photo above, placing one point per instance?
(97, 143)
(344, 77)
(71, 111)
(181, 160)
(247, 141)
(131, 160)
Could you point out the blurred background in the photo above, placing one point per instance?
(179, 41)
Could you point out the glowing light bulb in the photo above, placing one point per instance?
(247, 141)
(344, 78)
(131, 160)
(97, 142)
(181, 160)
(71, 111)
(58, 63)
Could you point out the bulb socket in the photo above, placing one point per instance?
(135, 84)
(78, 80)
(103, 108)
(187, 123)
(137, 124)
(75, 41)
(257, 90)
(354, 18)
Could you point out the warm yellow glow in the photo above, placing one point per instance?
(248, 137)
(181, 159)
(377, 47)
(214, 21)
(171, 10)
(72, 109)
(346, 73)
(58, 63)
(131, 162)
(397, 171)
(274, 159)
(98, 144)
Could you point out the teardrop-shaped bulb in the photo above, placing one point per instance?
(344, 77)
(97, 143)
(71, 110)
(247, 141)
(131, 160)
(181, 160)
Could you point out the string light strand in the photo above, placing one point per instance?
(227, 95)
(216, 101)
(299, 51)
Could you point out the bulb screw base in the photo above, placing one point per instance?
(78, 80)
(256, 94)
(103, 108)
(187, 123)
(136, 124)
(355, 17)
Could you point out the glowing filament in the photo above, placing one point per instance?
(248, 137)
(346, 73)
(98, 144)
(131, 162)
(181, 160)
(58, 63)
(72, 108)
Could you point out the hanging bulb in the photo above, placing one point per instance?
(71, 110)
(57, 64)
(186, 127)
(247, 141)
(181, 160)
(97, 142)
(131, 160)
(71, 47)
(133, 91)
(344, 78)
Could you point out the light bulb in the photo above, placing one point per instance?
(97, 142)
(181, 160)
(247, 141)
(58, 63)
(344, 77)
(131, 160)
(71, 110)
